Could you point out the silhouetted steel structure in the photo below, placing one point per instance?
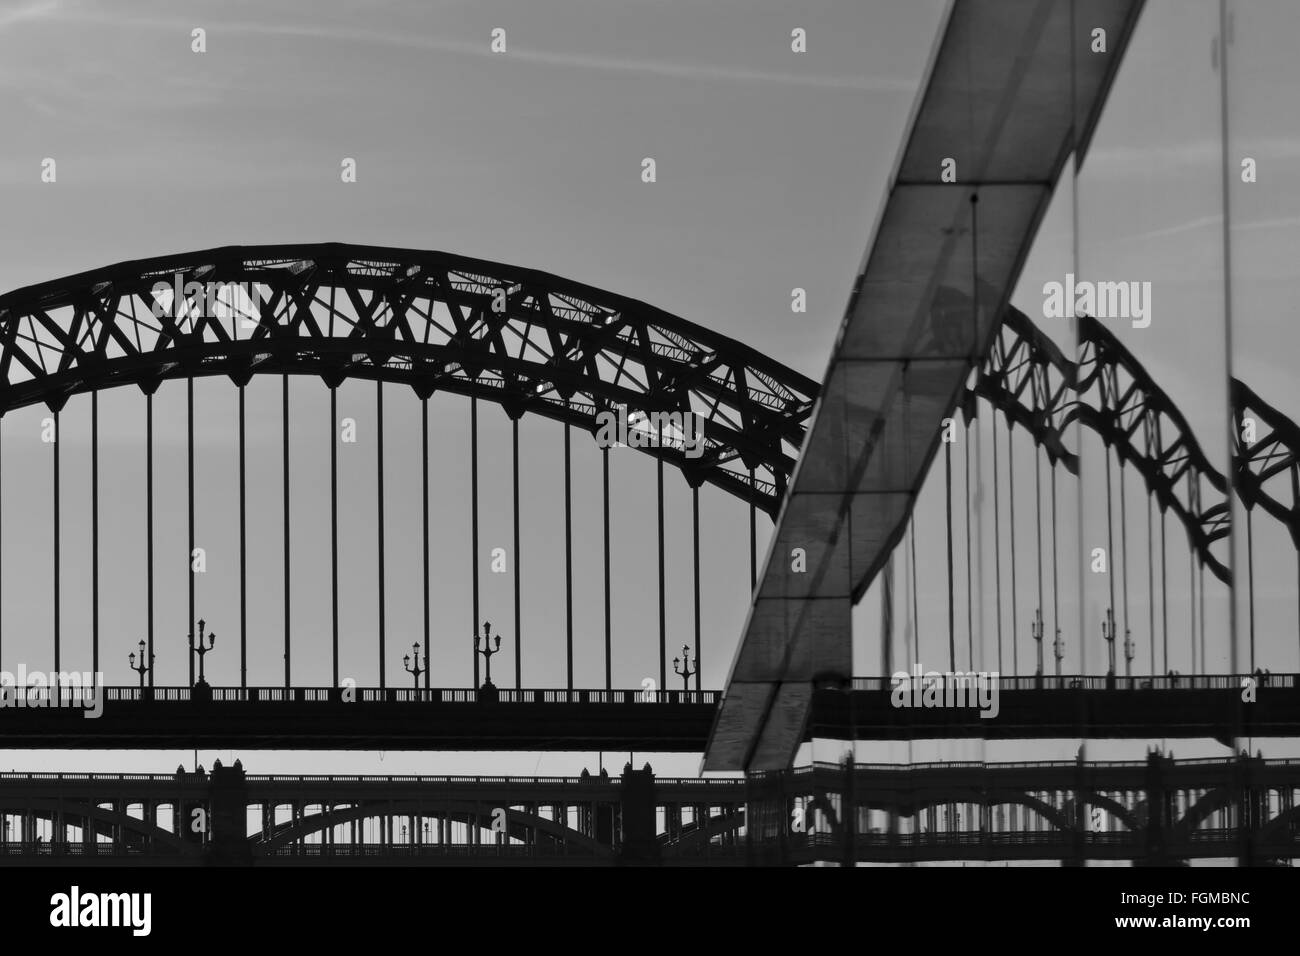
(530, 342)
(563, 719)
(553, 347)
(1155, 811)
(103, 339)
(928, 333)
(1029, 379)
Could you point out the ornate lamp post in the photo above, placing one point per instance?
(1130, 651)
(1108, 635)
(684, 672)
(200, 649)
(415, 671)
(1036, 630)
(142, 668)
(487, 650)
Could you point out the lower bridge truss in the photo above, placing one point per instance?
(1157, 811)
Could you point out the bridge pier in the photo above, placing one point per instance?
(1251, 807)
(768, 812)
(1161, 814)
(640, 844)
(1081, 825)
(227, 816)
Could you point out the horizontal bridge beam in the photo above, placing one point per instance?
(318, 719)
(1128, 711)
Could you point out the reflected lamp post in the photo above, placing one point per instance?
(1058, 651)
(1108, 635)
(1036, 630)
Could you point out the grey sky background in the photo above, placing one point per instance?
(771, 168)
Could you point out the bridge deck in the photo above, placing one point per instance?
(625, 719)
(315, 718)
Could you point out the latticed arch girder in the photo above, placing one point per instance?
(568, 351)
(1119, 400)
(1268, 468)
(1029, 379)
(532, 342)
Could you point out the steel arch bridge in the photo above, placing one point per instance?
(536, 343)
(524, 340)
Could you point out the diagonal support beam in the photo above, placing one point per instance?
(1012, 91)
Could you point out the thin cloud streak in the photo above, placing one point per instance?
(32, 11)
(1207, 221)
(583, 61)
